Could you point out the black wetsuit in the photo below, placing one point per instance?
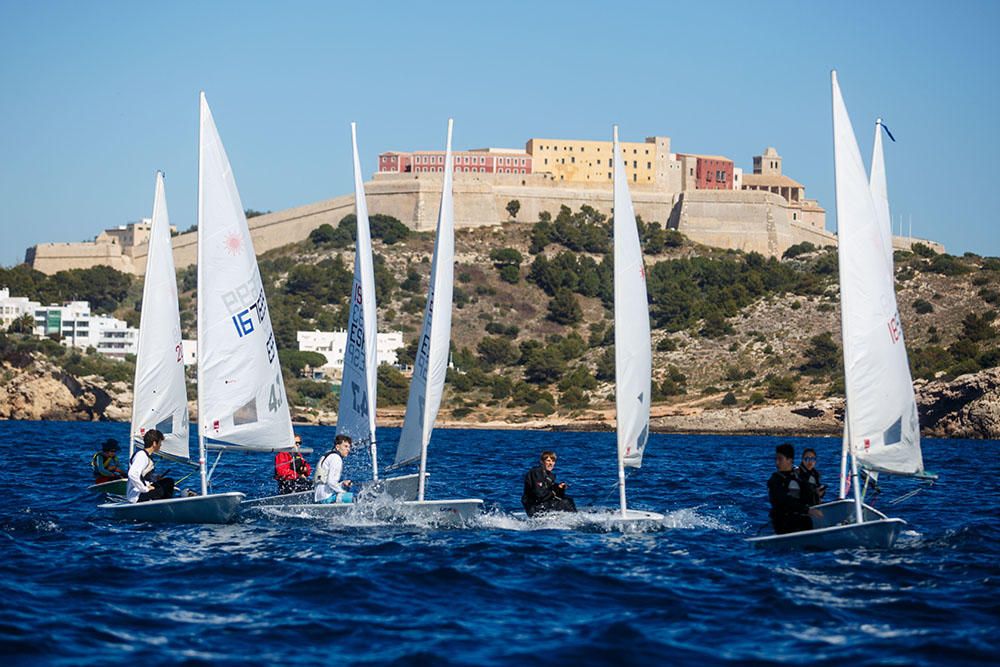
(809, 479)
(542, 493)
(789, 510)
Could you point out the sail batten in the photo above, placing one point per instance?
(160, 391)
(356, 412)
(633, 350)
(883, 428)
(431, 363)
(241, 391)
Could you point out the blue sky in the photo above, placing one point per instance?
(94, 97)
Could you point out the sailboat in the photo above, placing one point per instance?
(633, 346)
(881, 426)
(356, 412)
(241, 394)
(160, 393)
(426, 387)
(431, 364)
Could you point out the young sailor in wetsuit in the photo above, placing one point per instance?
(789, 510)
(809, 478)
(541, 491)
(329, 487)
(143, 485)
(292, 471)
(105, 463)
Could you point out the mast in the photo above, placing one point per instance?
(201, 295)
(858, 514)
(843, 461)
(621, 459)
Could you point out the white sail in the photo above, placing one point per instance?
(880, 193)
(881, 411)
(241, 394)
(160, 392)
(356, 414)
(431, 363)
(633, 351)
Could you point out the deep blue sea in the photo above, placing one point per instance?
(78, 589)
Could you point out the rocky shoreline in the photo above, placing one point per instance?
(966, 407)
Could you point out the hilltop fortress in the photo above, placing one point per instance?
(704, 197)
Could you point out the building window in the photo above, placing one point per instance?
(635, 164)
(572, 160)
(649, 165)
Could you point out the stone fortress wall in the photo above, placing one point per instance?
(768, 215)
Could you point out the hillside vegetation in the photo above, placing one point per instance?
(533, 328)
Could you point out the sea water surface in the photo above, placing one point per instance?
(79, 589)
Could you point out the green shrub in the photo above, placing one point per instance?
(666, 344)
(798, 249)
(822, 356)
(782, 387)
(922, 306)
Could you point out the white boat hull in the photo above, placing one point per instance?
(435, 511)
(116, 487)
(282, 500)
(214, 508)
(837, 529)
(403, 487)
(595, 517)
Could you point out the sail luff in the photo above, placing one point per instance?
(160, 391)
(431, 364)
(241, 390)
(356, 413)
(881, 410)
(633, 350)
(200, 321)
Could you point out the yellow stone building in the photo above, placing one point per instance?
(576, 161)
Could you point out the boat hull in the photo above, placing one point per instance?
(455, 511)
(595, 517)
(214, 508)
(115, 487)
(403, 487)
(837, 529)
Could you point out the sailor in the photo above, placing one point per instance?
(542, 493)
(143, 485)
(809, 478)
(292, 471)
(105, 463)
(329, 487)
(789, 509)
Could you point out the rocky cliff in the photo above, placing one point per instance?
(38, 389)
(966, 407)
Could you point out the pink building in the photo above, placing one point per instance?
(712, 172)
(478, 160)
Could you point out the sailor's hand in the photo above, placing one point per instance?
(346, 483)
(562, 485)
(815, 513)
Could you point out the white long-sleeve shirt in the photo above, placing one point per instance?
(140, 467)
(329, 470)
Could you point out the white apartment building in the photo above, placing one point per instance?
(332, 344)
(78, 328)
(14, 307)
